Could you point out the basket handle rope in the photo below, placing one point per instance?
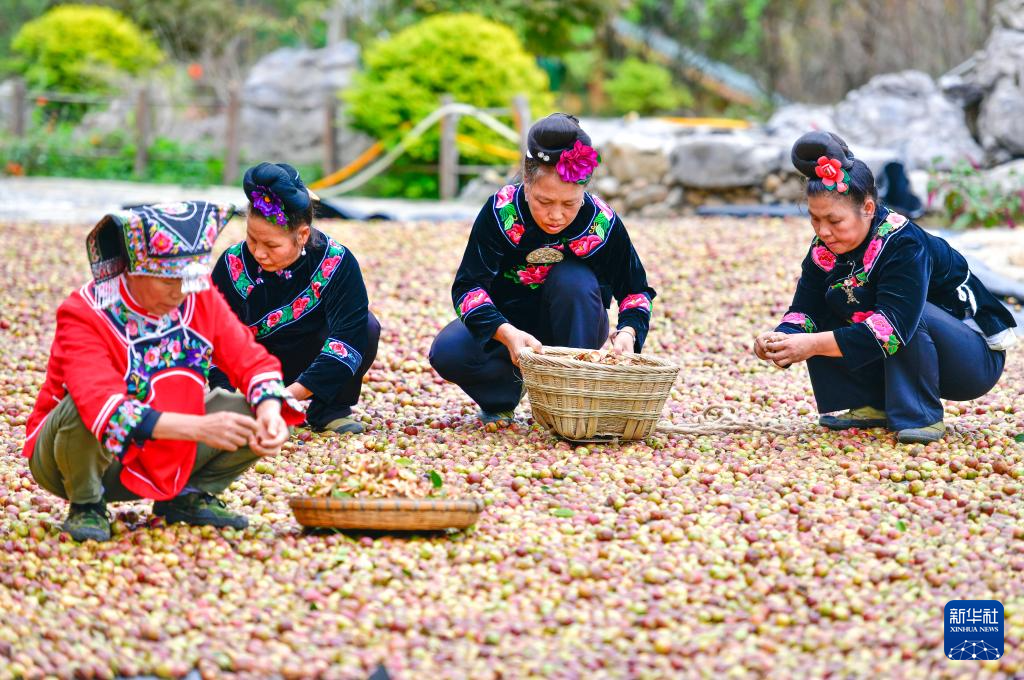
(720, 419)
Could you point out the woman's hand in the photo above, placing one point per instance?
(299, 391)
(222, 430)
(623, 340)
(761, 343)
(791, 349)
(516, 341)
(271, 431)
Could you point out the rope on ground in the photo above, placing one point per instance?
(418, 131)
(720, 419)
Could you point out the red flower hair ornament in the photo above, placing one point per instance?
(830, 172)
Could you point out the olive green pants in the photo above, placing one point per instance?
(69, 462)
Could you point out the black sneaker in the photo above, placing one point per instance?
(199, 509)
(88, 522)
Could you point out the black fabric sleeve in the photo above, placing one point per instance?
(903, 270)
(221, 279)
(808, 311)
(480, 265)
(347, 309)
(626, 273)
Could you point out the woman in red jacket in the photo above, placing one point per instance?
(123, 413)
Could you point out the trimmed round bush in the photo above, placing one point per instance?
(476, 60)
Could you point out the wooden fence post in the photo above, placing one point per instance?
(521, 115)
(231, 142)
(330, 134)
(18, 102)
(448, 161)
(141, 133)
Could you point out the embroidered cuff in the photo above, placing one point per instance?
(474, 299)
(801, 321)
(882, 330)
(636, 301)
(272, 389)
(143, 432)
(343, 352)
(125, 419)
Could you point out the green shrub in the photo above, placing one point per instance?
(477, 61)
(645, 88)
(969, 200)
(82, 48)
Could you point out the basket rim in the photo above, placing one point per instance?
(557, 355)
(474, 505)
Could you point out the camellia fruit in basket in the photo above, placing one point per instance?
(385, 494)
(594, 395)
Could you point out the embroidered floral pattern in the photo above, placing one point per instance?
(236, 270)
(475, 298)
(127, 415)
(635, 301)
(343, 352)
(267, 389)
(508, 217)
(177, 350)
(306, 301)
(801, 320)
(823, 257)
(871, 253)
(893, 222)
(597, 234)
(530, 275)
(156, 248)
(856, 281)
(882, 330)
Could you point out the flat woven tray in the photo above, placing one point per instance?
(386, 514)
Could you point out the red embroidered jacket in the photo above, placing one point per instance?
(118, 363)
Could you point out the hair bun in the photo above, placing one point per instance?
(552, 135)
(281, 179)
(813, 145)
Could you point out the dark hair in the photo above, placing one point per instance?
(284, 182)
(546, 141)
(812, 146)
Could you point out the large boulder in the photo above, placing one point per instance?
(907, 113)
(719, 161)
(284, 98)
(793, 120)
(1001, 121)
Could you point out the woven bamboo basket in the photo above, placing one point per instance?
(584, 401)
(385, 514)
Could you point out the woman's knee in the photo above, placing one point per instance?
(571, 278)
(447, 352)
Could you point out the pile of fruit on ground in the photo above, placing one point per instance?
(805, 555)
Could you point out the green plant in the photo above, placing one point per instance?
(645, 88)
(55, 151)
(82, 48)
(968, 199)
(477, 61)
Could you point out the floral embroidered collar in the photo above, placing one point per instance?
(302, 304)
(885, 223)
(586, 234)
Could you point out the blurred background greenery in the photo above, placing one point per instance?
(737, 58)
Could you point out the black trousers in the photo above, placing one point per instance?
(571, 314)
(944, 360)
